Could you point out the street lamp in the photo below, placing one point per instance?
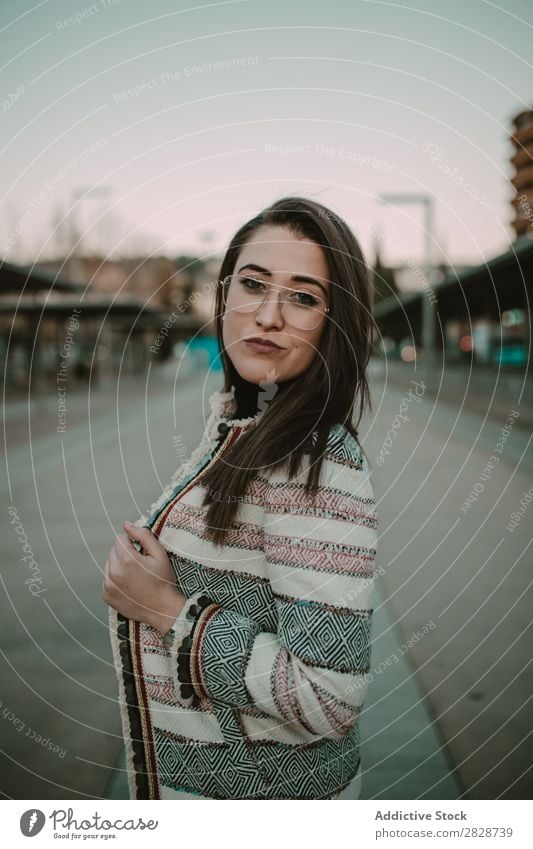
(78, 195)
(428, 304)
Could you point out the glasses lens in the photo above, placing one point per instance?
(304, 318)
(246, 294)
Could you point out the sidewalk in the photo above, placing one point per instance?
(402, 750)
(448, 482)
(480, 392)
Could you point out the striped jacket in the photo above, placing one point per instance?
(282, 651)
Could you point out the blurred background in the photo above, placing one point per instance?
(136, 140)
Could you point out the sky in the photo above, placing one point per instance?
(163, 126)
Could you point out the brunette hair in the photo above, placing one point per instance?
(326, 393)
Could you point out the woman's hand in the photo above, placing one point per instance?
(141, 586)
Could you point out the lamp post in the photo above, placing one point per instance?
(78, 195)
(429, 325)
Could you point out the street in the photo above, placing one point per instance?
(448, 710)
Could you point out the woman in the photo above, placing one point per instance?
(241, 633)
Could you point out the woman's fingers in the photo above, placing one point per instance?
(126, 550)
(150, 544)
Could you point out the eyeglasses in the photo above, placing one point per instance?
(246, 294)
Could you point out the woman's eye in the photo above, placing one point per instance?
(250, 283)
(304, 299)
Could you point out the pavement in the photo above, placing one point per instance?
(447, 714)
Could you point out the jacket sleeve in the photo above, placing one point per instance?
(320, 553)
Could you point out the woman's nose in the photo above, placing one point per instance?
(269, 313)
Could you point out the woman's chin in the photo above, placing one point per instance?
(259, 370)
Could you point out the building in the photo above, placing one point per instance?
(52, 328)
(482, 315)
(522, 179)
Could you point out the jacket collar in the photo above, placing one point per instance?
(223, 406)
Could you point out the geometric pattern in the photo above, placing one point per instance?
(226, 645)
(326, 638)
(239, 590)
(344, 447)
(340, 558)
(227, 771)
(213, 770)
(321, 769)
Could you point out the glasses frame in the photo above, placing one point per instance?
(226, 282)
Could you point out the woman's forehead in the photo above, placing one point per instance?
(277, 249)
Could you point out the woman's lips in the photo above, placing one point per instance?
(263, 347)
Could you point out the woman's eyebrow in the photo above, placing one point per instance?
(298, 278)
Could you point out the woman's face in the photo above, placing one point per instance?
(274, 255)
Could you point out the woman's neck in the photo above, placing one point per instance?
(248, 395)
(247, 398)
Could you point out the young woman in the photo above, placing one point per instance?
(240, 605)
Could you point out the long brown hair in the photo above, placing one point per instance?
(326, 393)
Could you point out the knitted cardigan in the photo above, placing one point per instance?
(279, 657)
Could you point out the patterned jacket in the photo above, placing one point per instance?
(280, 654)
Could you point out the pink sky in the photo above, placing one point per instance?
(193, 120)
